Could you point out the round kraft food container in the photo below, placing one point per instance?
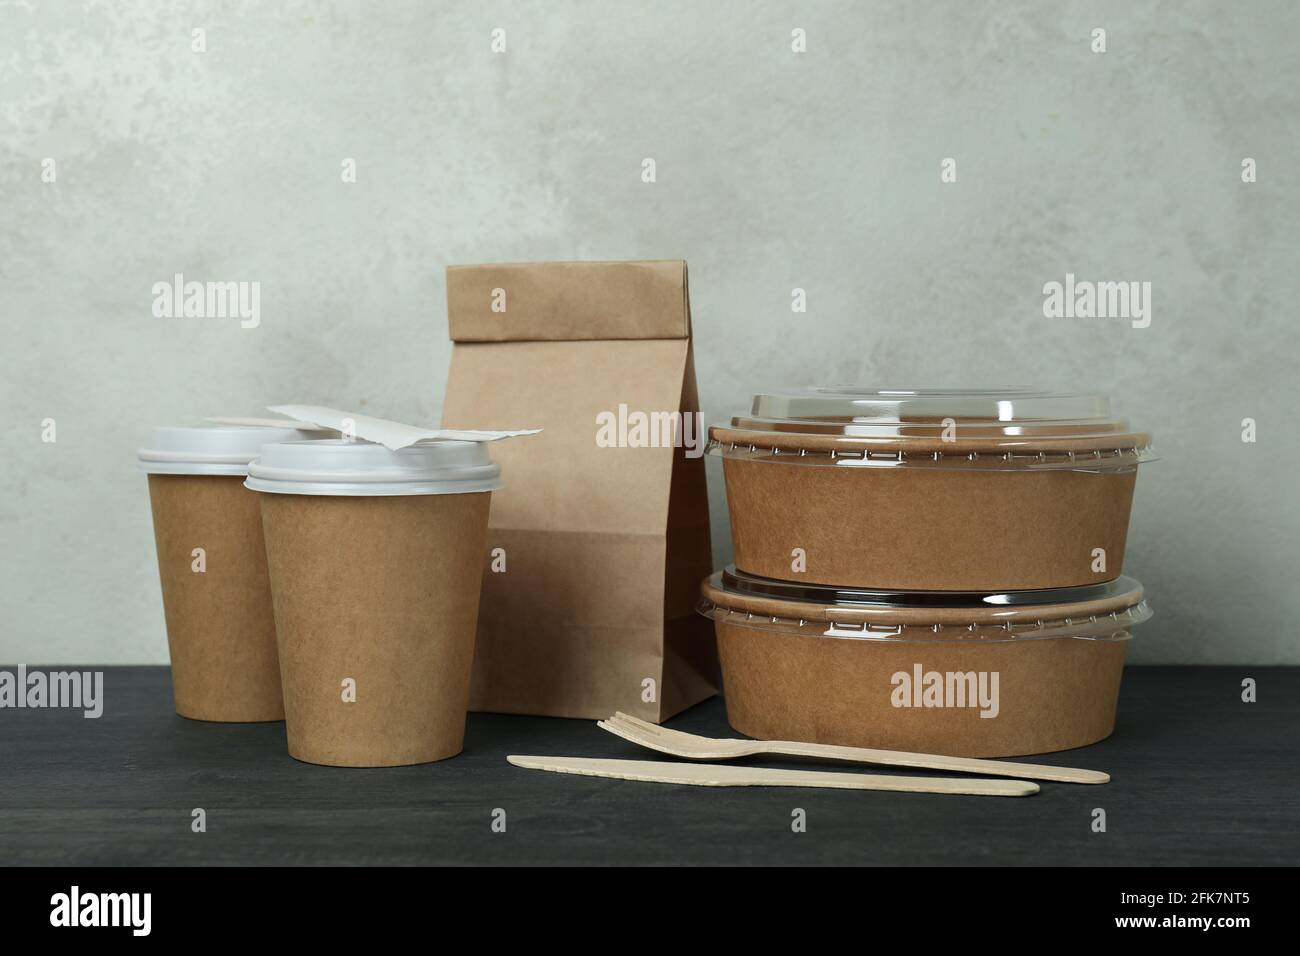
(995, 674)
(930, 489)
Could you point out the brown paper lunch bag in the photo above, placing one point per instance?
(595, 553)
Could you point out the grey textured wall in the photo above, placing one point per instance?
(775, 170)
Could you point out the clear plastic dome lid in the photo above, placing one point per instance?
(853, 410)
(1017, 426)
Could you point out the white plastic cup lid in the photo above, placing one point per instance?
(211, 449)
(361, 469)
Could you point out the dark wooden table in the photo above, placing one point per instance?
(1199, 778)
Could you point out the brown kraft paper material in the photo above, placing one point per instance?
(382, 592)
(603, 547)
(921, 529)
(220, 627)
(1053, 694)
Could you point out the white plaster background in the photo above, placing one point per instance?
(775, 170)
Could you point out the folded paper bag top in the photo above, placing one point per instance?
(346, 468)
(214, 449)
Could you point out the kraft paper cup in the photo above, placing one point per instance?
(212, 565)
(375, 560)
(916, 671)
(930, 489)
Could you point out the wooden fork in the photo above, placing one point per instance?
(720, 775)
(694, 747)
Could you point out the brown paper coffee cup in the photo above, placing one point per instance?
(216, 598)
(212, 563)
(377, 605)
(375, 561)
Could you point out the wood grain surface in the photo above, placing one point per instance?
(120, 790)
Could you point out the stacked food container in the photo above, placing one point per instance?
(926, 569)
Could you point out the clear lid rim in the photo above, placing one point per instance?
(1099, 619)
(731, 580)
(858, 412)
